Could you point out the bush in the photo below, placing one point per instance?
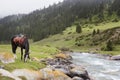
(78, 28)
(103, 48)
(108, 46)
(94, 32)
(115, 20)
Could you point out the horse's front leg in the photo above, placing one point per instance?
(25, 57)
(21, 53)
(14, 47)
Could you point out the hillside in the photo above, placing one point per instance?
(85, 41)
(40, 24)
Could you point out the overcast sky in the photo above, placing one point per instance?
(9, 7)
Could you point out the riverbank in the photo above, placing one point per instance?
(58, 68)
(41, 60)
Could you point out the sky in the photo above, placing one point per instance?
(10, 7)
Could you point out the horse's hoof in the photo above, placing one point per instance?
(15, 56)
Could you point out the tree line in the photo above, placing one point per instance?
(54, 19)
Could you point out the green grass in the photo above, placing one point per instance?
(102, 26)
(67, 38)
(35, 51)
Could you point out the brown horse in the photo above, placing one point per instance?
(22, 42)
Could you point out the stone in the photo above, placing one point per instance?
(28, 74)
(6, 73)
(7, 58)
(63, 56)
(35, 59)
(117, 57)
(79, 72)
(1, 66)
(77, 78)
(52, 74)
(62, 68)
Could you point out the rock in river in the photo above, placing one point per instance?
(117, 57)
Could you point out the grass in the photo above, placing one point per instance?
(36, 51)
(68, 37)
(87, 29)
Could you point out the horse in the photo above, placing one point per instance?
(22, 42)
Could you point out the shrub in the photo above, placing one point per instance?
(78, 28)
(98, 31)
(94, 32)
(115, 20)
(108, 46)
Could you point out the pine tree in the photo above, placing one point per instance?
(109, 46)
(94, 32)
(78, 28)
(98, 31)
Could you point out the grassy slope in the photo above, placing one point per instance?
(67, 38)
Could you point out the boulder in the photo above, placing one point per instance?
(58, 61)
(7, 57)
(52, 74)
(79, 72)
(51, 61)
(77, 78)
(63, 56)
(7, 74)
(117, 57)
(72, 71)
(28, 74)
(63, 68)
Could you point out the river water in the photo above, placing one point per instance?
(97, 66)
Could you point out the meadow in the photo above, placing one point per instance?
(36, 51)
(67, 38)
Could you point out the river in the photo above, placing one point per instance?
(97, 66)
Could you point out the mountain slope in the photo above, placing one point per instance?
(52, 20)
(85, 41)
